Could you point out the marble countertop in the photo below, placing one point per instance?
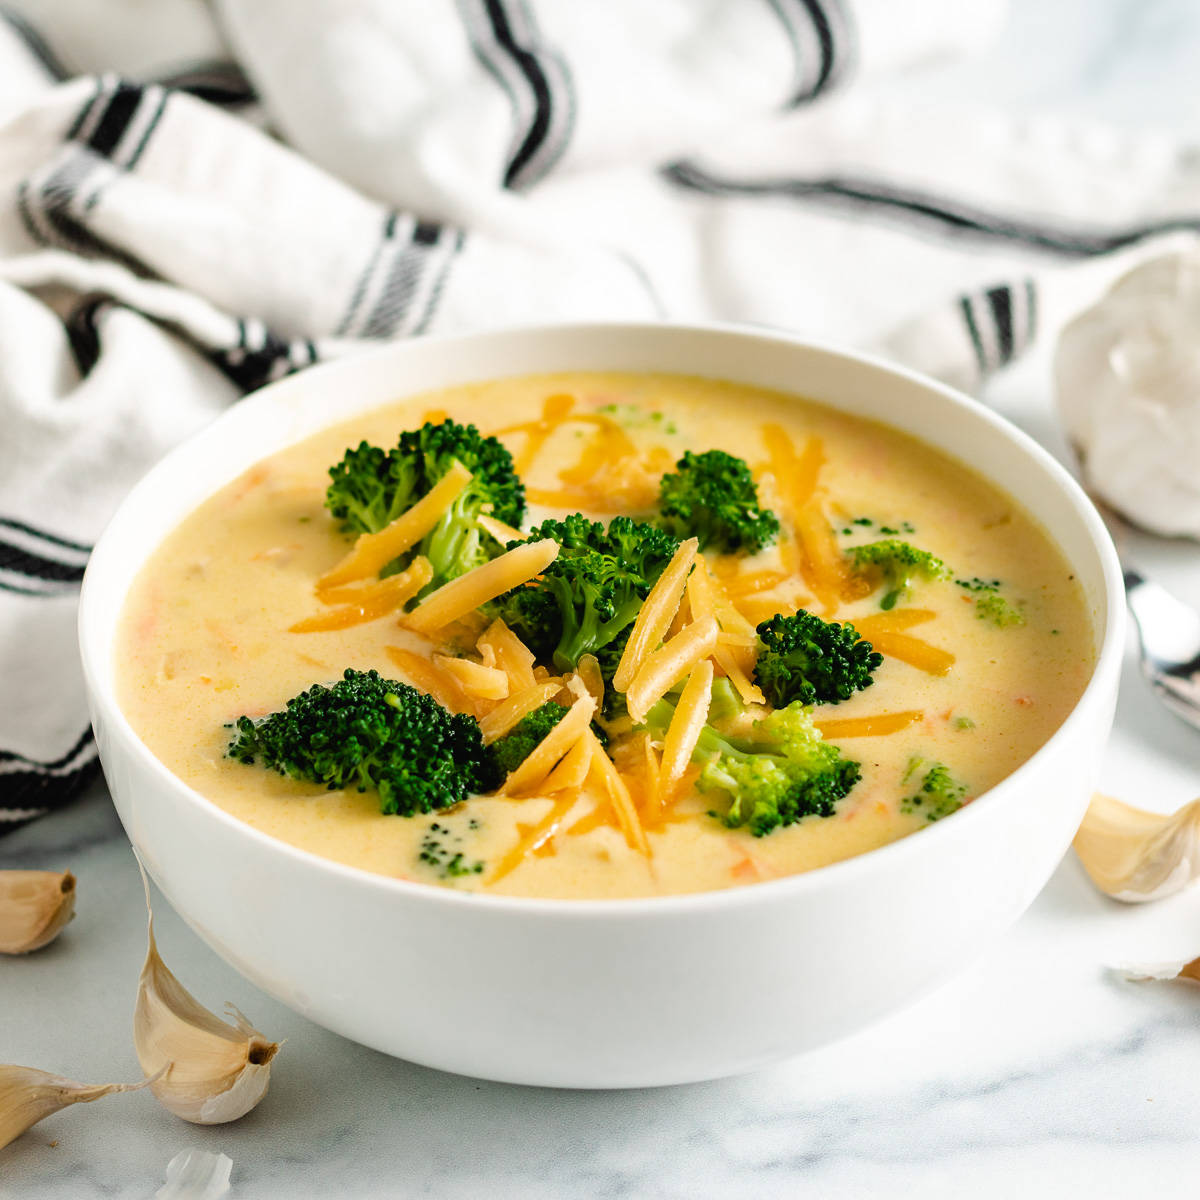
(1037, 1070)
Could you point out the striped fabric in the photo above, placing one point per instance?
(197, 199)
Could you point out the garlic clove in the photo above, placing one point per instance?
(34, 907)
(196, 1175)
(1161, 972)
(1134, 855)
(212, 1071)
(28, 1096)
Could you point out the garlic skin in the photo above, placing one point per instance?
(209, 1071)
(1127, 378)
(1136, 856)
(196, 1175)
(34, 908)
(28, 1096)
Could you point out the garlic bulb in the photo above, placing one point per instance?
(211, 1071)
(1127, 375)
(34, 907)
(28, 1096)
(1133, 855)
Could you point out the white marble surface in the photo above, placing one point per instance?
(1035, 1072)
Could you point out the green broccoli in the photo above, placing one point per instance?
(368, 733)
(713, 497)
(805, 659)
(939, 795)
(510, 751)
(897, 564)
(586, 600)
(784, 773)
(989, 604)
(370, 488)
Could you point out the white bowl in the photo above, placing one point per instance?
(608, 993)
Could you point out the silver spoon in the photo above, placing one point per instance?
(1169, 632)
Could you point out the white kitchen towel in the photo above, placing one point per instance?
(195, 201)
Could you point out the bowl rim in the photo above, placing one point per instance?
(97, 657)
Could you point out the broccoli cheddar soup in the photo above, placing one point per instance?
(601, 635)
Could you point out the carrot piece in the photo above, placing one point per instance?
(424, 675)
(877, 725)
(668, 664)
(654, 617)
(373, 551)
(372, 601)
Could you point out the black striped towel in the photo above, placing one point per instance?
(196, 199)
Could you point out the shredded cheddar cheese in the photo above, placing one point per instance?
(425, 676)
(373, 551)
(466, 593)
(669, 664)
(500, 530)
(689, 719)
(574, 725)
(476, 680)
(872, 726)
(508, 712)
(619, 797)
(368, 601)
(655, 615)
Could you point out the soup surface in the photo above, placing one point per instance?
(976, 687)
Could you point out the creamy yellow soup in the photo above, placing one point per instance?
(205, 636)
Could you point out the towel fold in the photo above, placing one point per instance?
(196, 201)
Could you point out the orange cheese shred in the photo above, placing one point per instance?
(572, 768)
(892, 622)
(877, 725)
(373, 551)
(656, 613)
(466, 593)
(425, 676)
(510, 653)
(737, 675)
(914, 651)
(500, 530)
(668, 664)
(476, 680)
(618, 794)
(367, 601)
(574, 725)
(533, 837)
(518, 706)
(689, 719)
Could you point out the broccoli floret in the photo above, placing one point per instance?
(993, 607)
(989, 604)
(510, 751)
(805, 659)
(437, 851)
(712, 496)
(368, 733)
(370, 488)
(587, 598)
(897, 564)
(783, 774)
(939, 795)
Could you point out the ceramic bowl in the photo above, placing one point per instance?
(607, 993)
